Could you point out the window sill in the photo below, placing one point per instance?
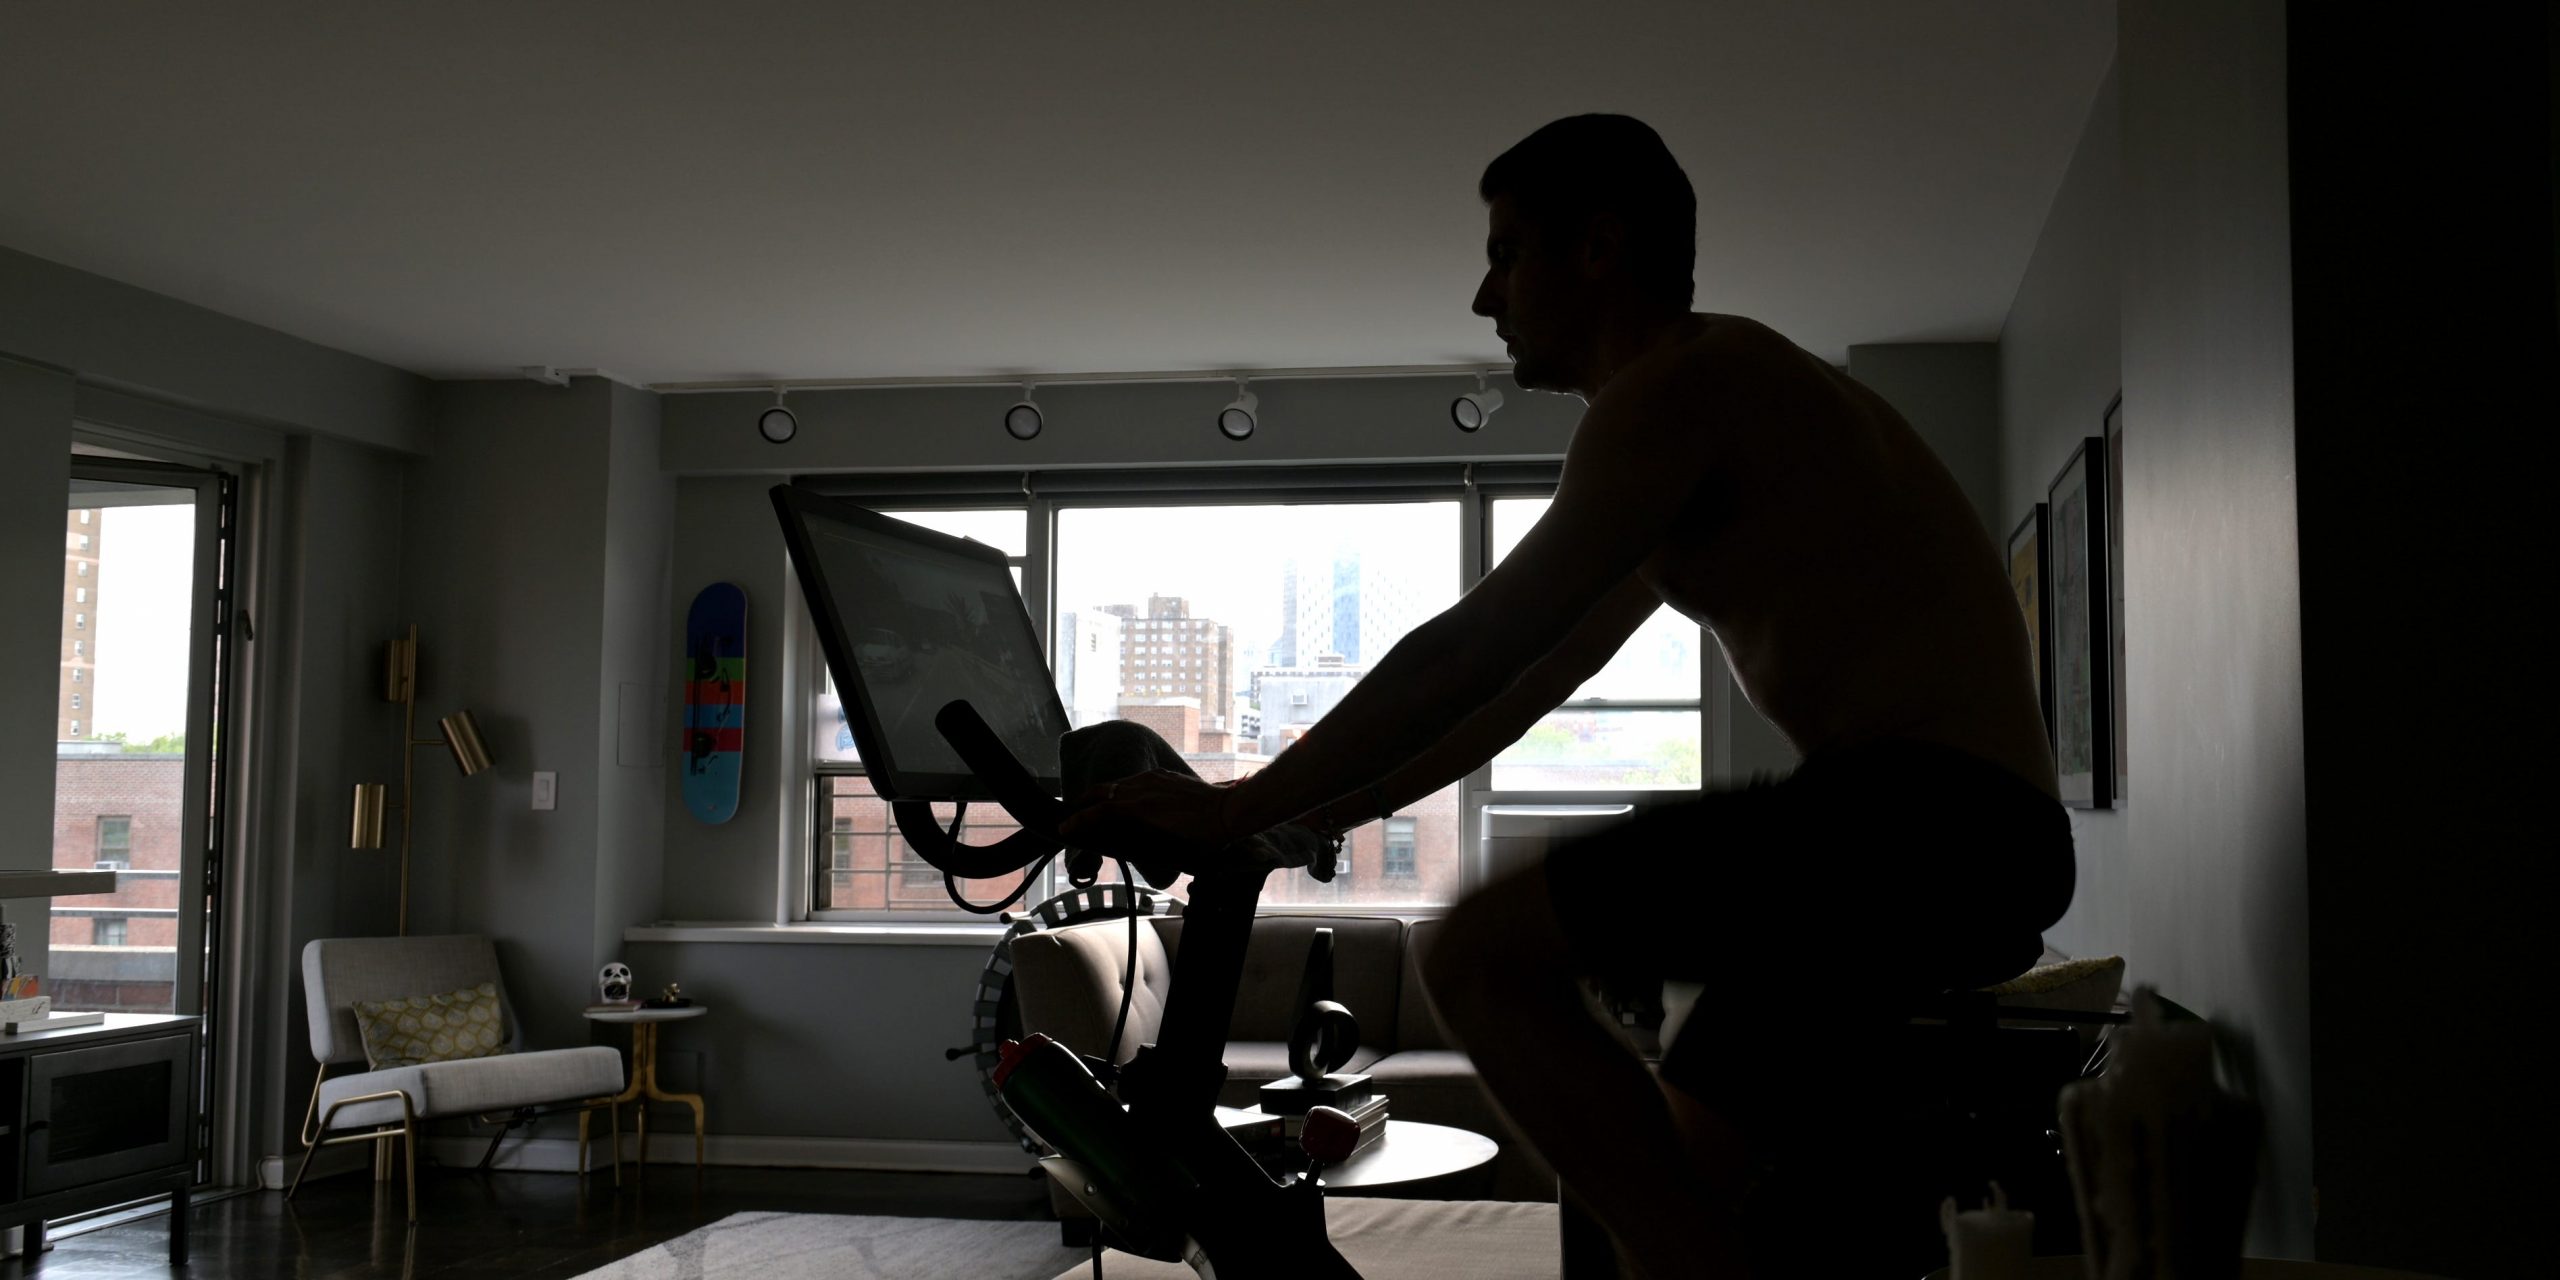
(947, 933)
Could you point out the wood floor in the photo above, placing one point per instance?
(500, 1226)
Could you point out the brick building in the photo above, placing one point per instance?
(1170, 654)
(77, 701)
(116, 951)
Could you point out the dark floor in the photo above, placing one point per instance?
(503, 1225)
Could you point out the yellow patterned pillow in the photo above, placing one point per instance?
(406, 1032)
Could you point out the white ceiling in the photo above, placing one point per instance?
(681, 192)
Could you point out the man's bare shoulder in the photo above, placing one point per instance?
(1709, 370)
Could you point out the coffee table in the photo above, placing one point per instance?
(1418, 1161)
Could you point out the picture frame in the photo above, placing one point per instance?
(2026, 581)
(2077, 596)
(2112, 428)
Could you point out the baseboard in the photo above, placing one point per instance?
(560, 1155)
(275, 1173)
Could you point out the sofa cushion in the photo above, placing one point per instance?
(1406, 1240)
(1367, 953)
(1416, 1026)
(443, 1027)
(1252, 1064)
(473, 1086)
(1067, 983)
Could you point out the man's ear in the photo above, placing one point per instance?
(1603, 243)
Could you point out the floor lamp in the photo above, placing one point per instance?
(461, 737)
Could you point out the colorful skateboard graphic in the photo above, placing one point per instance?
(715, 701)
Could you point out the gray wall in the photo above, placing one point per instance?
(829, 1041)
(506, 566)
(115, 335)
(2061, 361)
(635, 674)
(725, 532)
(2200, 880)
(2212, 568)
(322, 726)
(1950, 393)
(35, 418)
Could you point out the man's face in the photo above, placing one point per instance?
(1533, 295)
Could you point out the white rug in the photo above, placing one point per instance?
(815, 1246)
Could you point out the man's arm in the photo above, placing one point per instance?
(1501, 723)
(1636, 460)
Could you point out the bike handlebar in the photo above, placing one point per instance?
(1015, 790)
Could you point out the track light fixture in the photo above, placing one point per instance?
(1022, 421)
(1236, 421)
(776, 424)
(1470, 410)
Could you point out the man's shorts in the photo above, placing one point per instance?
(1816, 909)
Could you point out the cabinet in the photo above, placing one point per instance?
(95, 1116)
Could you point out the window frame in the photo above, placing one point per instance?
(1041, 497)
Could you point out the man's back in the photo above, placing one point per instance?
(1854, 589)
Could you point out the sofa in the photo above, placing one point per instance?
(1067, 984)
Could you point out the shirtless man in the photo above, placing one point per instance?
(1725, 472)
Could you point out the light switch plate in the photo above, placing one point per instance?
(546, 790)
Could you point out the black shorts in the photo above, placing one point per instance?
(1816, 909)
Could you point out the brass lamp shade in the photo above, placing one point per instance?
(365, 832)
(463, 735)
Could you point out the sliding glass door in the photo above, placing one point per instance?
(138, 750)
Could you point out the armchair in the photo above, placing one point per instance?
(380, 1105)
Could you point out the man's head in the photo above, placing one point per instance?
(1592, 225)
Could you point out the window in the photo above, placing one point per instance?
(75, 728)
(1636, 726)
(79, 648)
(1396, 859)
(84, 568)
(1266, 608)
(84, 517)
(84, 542)
(75, 702)
(79, 622)
(1384, 567)
(106, 931)
(79, 595)
(115, 835)
(79, 675)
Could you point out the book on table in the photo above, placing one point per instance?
(49, 1022)
(1368, 1113)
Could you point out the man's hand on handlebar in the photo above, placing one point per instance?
(1150, 815)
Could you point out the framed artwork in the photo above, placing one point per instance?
(2114, 433)
(2076, 599)
(2026, 578)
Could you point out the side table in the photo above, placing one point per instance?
(643, 1088)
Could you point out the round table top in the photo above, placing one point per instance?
(1412, 1151)
(649, 1015)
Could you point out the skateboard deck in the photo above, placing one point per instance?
(715, 701)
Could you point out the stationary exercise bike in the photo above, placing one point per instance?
(1161, 1176)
